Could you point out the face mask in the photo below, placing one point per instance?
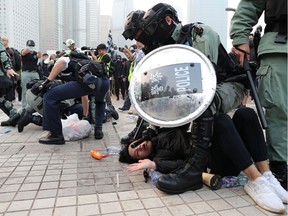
(30, 48)
(163, 33)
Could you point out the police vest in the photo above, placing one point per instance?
(131, 69)
(107, 64)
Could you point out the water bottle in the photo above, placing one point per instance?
(113, 150)
(154, 175)
(234, 181)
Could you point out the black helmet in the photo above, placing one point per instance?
(133, 24)
(30, 43)
(155, 15)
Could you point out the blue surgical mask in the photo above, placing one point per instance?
(30, 48)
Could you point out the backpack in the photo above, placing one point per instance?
(16, 59)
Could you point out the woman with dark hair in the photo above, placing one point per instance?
(238, 144)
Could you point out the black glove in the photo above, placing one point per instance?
(40, 88)
(149, 133)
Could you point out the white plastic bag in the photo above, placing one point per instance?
(75, 129)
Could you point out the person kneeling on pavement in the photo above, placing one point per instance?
(238, 144)
(91, 78)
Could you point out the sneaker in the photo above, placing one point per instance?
(276, 186)
(261, 193)
(123, 109)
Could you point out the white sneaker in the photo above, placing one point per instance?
(261, 193)
(275, 186)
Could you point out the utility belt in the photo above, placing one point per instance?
(90, 80)
(281, 28)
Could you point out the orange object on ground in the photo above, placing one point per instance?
(96, 154)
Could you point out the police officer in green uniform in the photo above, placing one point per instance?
(6, 72)
(161, 26)
(272, 74)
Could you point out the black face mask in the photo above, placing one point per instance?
(164, 32)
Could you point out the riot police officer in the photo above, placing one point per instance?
(6, 72)
(91, 78)
(272, 74)
(161, 26)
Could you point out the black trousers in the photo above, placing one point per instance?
(236, 142)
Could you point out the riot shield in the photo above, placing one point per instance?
(172, 85)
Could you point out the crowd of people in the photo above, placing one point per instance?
(226, 146)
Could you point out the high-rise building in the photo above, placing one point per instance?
(211, 13)
(105, 26)
(121, 8)
(20, 21)
(93, 22)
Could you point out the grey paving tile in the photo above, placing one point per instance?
(18, 213)
(39, 167)
(25, 195)
(130, 205)
(85, 210)
(105, 208)
(68, 184)
(4, 206)
(108, 197)
(30, 186)
(84, 176)
(4, 197)
(208, 195)
(49, 185)
(200, 207)
(103, 181)
(51, 178)
(37, 172)
(23, 168)
(85, 182)
(128, 195)
(53, 172)
(146, 193)
(159, 211)
(33, 179)
(70, 210)
(47, 193)
(230, 212)
(44, 203)
(41, 212)
(180, 210)
(65, 201)
(20, 205)
(250, 210)
(154, 202)
(86, 190)
(17, 180)
(26, 163)
(9, 188)
(209, 214)
(236, 201)
(87, 199)
(5, 175)
(69, 171)
(18, 174)
(219, 204)
(68, 177)
(190, 196)
(67, 191)
(137, 213)
(125, 187)
(172, 200)
(225, 192)
(106, 189)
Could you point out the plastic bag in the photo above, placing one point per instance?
(75, 129)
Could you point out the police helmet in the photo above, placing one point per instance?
(30, 43)
(132, 24)
(155, 15)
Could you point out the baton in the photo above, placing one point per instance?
(136, 135)
(260, 111)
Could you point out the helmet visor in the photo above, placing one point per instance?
(129, 34)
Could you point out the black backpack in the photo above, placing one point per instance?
(16, 60)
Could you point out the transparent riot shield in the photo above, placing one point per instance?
(172, 85)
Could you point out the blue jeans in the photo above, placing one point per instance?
(70, 90)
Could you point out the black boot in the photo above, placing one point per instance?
(130, 137)
(279, 170)
(52, 138)
(113, 112)
(190, 177)
(25, 118)
(187, 178)
(98, 133)
(12, 121)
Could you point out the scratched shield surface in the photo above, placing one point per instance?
(172, 85)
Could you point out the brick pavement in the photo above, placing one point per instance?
(38, 179)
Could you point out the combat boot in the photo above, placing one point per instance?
(26, 118)
(190, 177)
(12, 121)
(98, 133)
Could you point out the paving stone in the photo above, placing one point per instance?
(41, 212)
(219, 204)
(154, 202)
(20, 205)
(68, 177)
(236, 201)
(130, 205)
(4, 197)
(225, 192)
(172, 200)
(33, 179)
(49, 185)
(200, 207)
(190, 197)
(146, 193)
(180, 210)
(159, 211)
(19, 174)
(87, 199)
(70, 210)
(47, 193)
(128, 195)
(230, 212)
(137, 213)
(67, 191)
(44, 203)
(9, 188)
(4, 206)
(30, 186)
(68, 184)
(91, 209)
(51, 178)
(25, 195)
(106, 208)
(17, 180)
(208, 195)
(108, 197)
(65, 201)
(19, 213)
(106, 189)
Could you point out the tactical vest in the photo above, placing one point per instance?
(107, 64)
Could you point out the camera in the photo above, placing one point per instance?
(121, 49)
(88, 50)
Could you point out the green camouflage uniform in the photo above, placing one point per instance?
(272, 74)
